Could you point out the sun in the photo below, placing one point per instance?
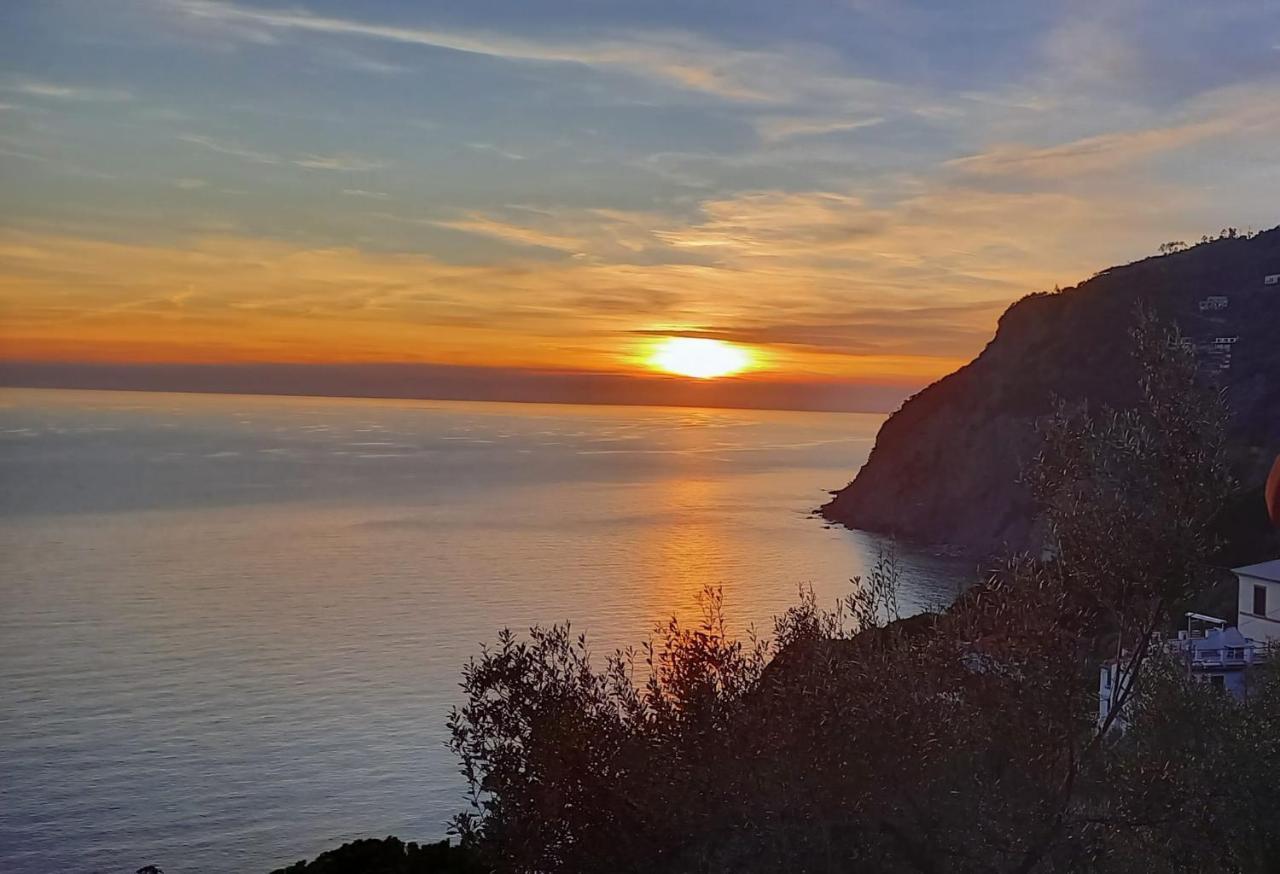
(699, 357)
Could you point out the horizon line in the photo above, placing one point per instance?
(438, 382)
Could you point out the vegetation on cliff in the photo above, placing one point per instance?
(964, 741)
(390, 856)
(947, 467)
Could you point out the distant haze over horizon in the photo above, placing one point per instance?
(549, 200)
(442, 382)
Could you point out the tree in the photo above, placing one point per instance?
(389, 856)
(853, 740)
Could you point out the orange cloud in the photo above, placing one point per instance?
(823, 283)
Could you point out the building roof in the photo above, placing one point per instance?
(1267, 570)
(1218, 639)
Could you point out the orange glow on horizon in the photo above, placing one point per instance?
(240, 300)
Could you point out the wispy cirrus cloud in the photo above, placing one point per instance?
(1257, 111)
(361, 192)
(509, 232)
(600, 234)
(59, 91)
(674, 58)
(496, 150)
(234, 150)
(775, 128)
(341, 163)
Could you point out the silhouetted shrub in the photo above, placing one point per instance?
(390, 856)
(956, 742)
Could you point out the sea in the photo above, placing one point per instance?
(232, 627)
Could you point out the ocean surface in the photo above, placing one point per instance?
(231, 627)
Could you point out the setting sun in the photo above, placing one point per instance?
(700, 357)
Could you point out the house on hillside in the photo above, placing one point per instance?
(1220, 657)
(1260, 601)
(1212, 651)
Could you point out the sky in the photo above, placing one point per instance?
(518, 190)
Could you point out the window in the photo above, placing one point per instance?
(1217, 681)
(1260, 600)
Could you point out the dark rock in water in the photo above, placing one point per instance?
(945, 468)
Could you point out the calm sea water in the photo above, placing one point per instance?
(231, 627)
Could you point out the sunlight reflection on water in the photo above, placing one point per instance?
(230, 627)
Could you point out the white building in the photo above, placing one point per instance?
(1212, 652)
(1260, 601)
(1271, 279)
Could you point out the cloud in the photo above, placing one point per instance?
(601, 234)
(673, 58)
(828, 281)
(343, 163)
(233, 149)
(503, 153)
(773, 223)
(1119, 149)
(676, 60)
(512, 233)
(1087, 155)
(775, 128)
(240, 298)
(360, 192)
(1091, 47)
(363, 63)
(340, 163)
(55, 91)
(943, 328)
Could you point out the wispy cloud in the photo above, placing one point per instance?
(775, 128)
(360, 192)
(500, 152)
(1111, 151)
(58, 91)
(772, 223)
(234, 150)
(675, 58)
(601, 234)
(340, 163)
(343, 163)
(513, 233)
(363, 63)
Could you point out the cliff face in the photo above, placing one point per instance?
(945, 466)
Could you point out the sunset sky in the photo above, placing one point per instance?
(852, 190)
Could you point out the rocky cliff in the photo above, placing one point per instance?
(945, 467)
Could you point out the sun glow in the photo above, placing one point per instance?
(699, 357)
